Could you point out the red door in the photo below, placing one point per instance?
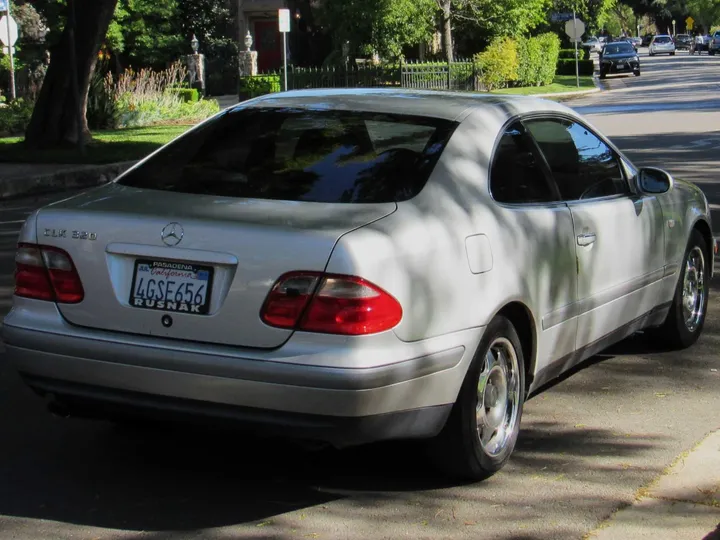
(268, 44)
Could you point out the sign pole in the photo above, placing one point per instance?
(12, 56)
(577, 59)
(284, 28)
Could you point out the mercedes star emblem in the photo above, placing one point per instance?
(172, 234)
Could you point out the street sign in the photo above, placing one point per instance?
(284, 27)
(689, 22)
(560, 17)
(575, 28)
(5, 50)
(8, 32)
(284, 20)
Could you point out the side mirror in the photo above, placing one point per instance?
(654, 181)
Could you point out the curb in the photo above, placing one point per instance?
(685, 498)
(83, 176)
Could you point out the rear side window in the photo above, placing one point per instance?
(583, 166)
(300, 155)
(515, 176)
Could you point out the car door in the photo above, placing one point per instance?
(619, 240)
(537, 230)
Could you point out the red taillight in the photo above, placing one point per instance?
(330, 304)
(46, 273)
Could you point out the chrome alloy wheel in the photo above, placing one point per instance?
(693, 292)
(498, 397)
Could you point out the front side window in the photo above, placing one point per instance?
(583, 166)
(300, 155)
(515, 175)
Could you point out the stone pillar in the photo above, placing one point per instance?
(248, 58)
(196, 71)
(247, 63)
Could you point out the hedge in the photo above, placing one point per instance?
(567, 67)
(250, 87)
(188, 95)
(499, 63)
(570, 54)
(524, 62)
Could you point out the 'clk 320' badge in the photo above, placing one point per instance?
(75, 235)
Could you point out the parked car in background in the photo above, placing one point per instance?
(647, 38)
(714, 44)
(683, 42)
(636, 41)
(356, 265)
(592, 44)
(662, 44)
(619, 57)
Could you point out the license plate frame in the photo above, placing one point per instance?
(167, 298)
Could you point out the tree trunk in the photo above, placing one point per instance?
(447, 41)
(55, 118)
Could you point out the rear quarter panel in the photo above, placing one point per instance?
(419, 254)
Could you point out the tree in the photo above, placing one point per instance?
(490, 18)
(385, 25)
(58, 118)
(705, 12)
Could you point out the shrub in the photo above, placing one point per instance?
(149, 97)
(530, 58)
(188, 95)
(537, 58)
(15, 116)
(570, 54)
(567, 67)
(498, 64)
(258, 85)
(550, 48)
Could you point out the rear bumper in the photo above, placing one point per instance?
(98, 373)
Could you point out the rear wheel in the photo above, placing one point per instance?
(686, 318)
(482, 430)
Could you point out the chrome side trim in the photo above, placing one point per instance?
(580, 307)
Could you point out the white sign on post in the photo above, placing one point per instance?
(284, 27)
(575, 28)
(284, 20)
(8, 31)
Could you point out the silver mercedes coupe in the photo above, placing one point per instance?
(349, 266)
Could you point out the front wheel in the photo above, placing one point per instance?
(482, 430)
(686, 318)
(636, 72)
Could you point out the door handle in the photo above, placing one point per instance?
(586, 239)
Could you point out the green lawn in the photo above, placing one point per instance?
(561, 83)
(107, 146)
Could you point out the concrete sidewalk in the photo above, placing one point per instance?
(682, 504)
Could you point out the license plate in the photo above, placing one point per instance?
(171, 286)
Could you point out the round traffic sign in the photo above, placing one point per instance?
(575, 28)
(11, 39)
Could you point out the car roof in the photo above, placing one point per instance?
(446, 105)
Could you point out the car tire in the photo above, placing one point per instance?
(672, 54)
(682, 329)
(636, 72)
(603, 75)
(477, 442)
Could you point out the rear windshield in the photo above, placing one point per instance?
(662, 39)
(619, 48)
(300, 155)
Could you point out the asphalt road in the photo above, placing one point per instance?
(587, 444)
